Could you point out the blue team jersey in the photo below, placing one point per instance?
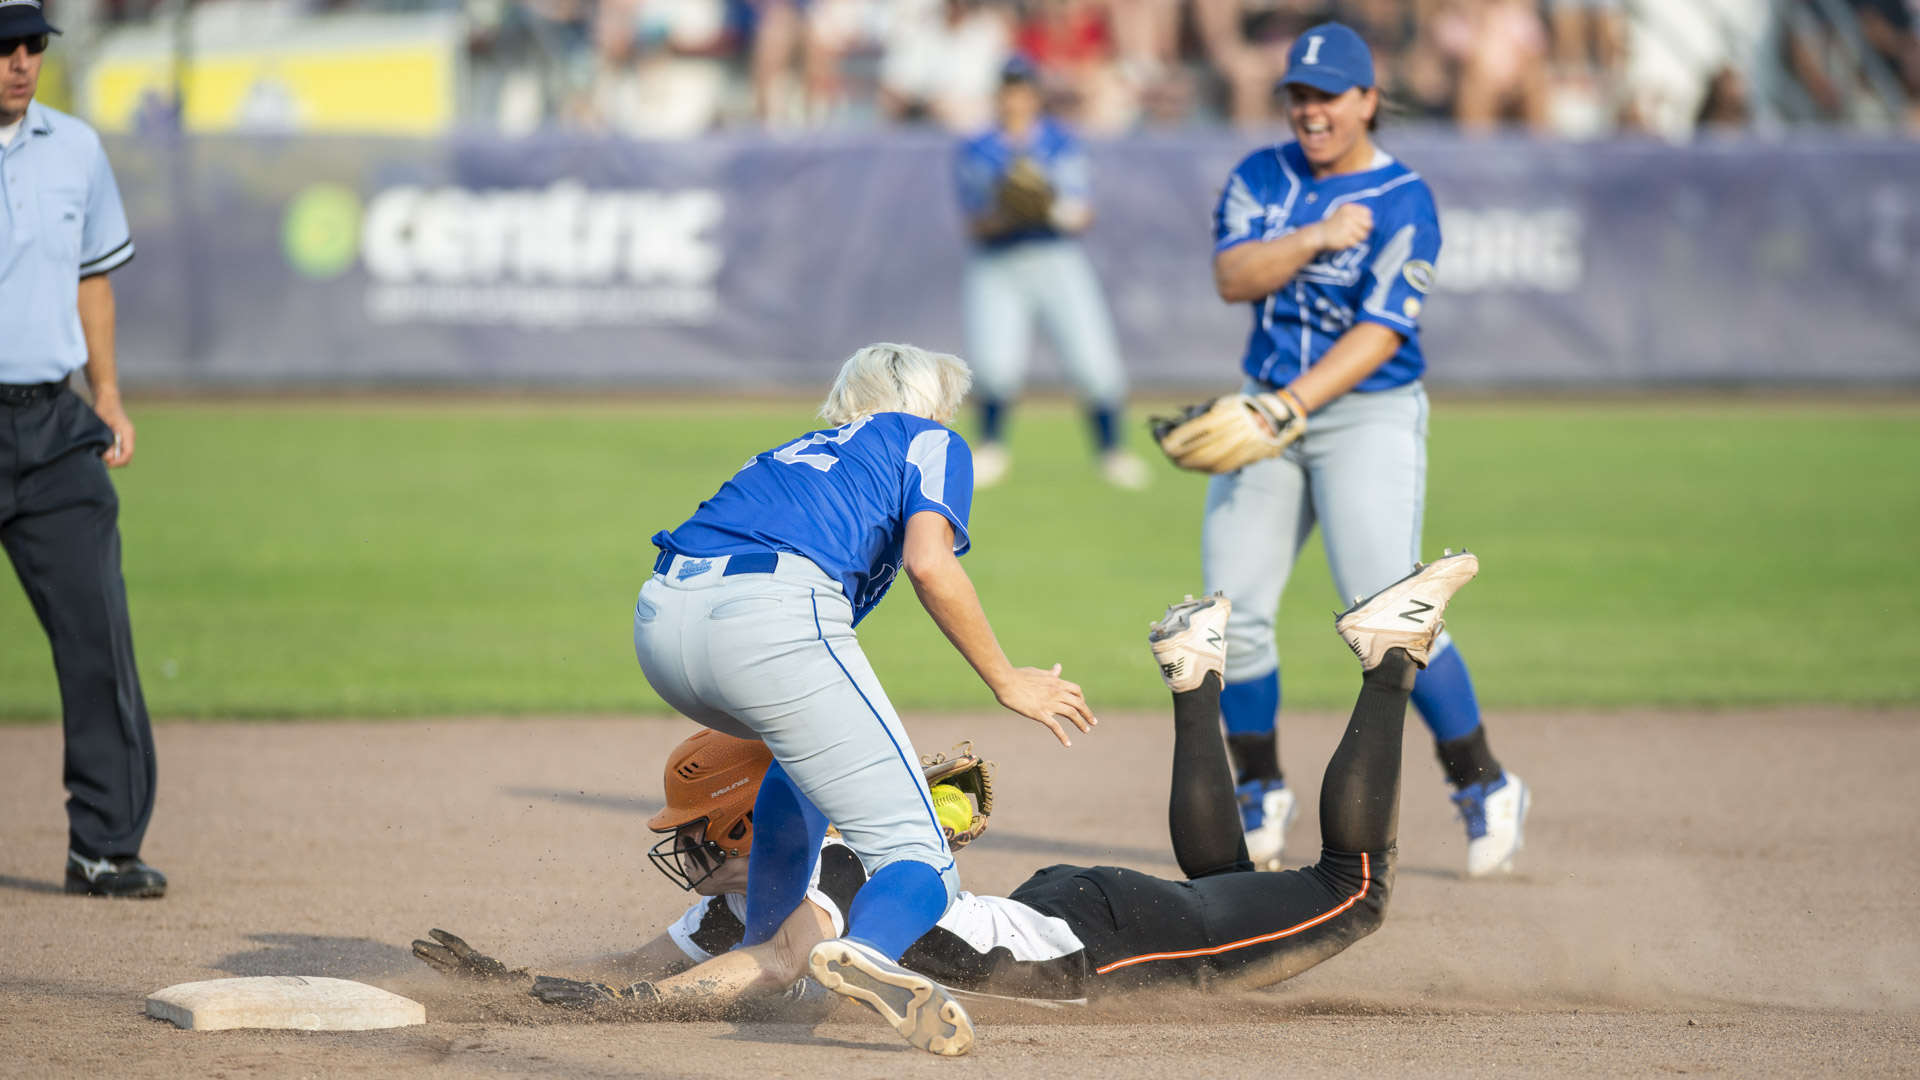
(840, 497)
(983, 161)
(1384, 280)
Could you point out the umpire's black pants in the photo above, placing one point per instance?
(59, 521)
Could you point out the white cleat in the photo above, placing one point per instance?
(1267, 810)
(1406, 614)
(991, 463)
(916, 1006)
(1124, 469)
(1495, 815)
(1190, 641)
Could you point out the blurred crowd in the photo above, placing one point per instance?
(1568, 68)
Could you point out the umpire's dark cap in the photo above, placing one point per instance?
(1019, 68)
(24, 18)
(1329, 57)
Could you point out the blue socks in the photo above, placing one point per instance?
(1251, 707)
(1106, 427)
(993, 419)
(1444, 695)
(787, 831)
(1104, 420)
(897, 905)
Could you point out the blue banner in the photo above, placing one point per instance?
(761, 261)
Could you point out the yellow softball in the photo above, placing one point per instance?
(950, 805)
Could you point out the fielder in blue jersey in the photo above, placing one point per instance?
(1332, 242)
(748, 628)
(1026, 189)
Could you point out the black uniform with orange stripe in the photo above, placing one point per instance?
(1072, 932)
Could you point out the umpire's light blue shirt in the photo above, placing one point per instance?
(61, 221)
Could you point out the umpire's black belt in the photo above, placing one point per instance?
(28, 393)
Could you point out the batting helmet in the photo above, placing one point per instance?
(711, 779)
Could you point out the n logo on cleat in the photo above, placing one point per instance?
(1173, 668)
(1213, 637)
(1414, 613)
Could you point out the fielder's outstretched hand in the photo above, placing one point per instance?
(456, 959)
(1046, 698)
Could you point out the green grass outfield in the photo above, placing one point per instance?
(375, 559)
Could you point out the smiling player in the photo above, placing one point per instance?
(1332, 242)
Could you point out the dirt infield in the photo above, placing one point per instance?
(1731, 892)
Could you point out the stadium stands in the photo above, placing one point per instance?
(679, 68)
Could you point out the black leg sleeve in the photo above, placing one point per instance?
(1360, 797)
(1240, 929)
(1202, 815)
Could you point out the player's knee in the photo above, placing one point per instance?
(1251, 651)
(941, 862)
(1371, 910)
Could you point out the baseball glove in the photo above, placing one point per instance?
(574, 994)
(959, 768)
(1231, 431)
(454, 958)
(1026, 197)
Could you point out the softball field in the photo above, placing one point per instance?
(1727, 892)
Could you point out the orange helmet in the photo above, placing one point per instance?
(712, 779)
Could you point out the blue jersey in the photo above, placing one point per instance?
(1384, 280)
(841, 498)
(983, 161)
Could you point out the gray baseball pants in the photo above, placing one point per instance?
(773, 656)
(1360, 473)
(1051, 282)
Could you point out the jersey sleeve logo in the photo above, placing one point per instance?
(1419, 274)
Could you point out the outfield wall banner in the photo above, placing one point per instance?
(762, 262)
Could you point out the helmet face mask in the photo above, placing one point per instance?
(686, 856)
(712, 781)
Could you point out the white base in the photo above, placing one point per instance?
(296, 1002)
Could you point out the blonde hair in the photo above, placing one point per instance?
(886, 377)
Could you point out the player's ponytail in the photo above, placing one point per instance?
(887, 377)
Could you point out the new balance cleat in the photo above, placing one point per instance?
(1406, 614)
(1191, 641)
(1495, 814)
(915, 1005)
(1267, 810)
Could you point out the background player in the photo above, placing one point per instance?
(1333, 242)
(1072, 932)
(748, 625)
(1026, 189)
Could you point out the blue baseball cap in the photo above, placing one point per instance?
(23, 18)
(1019, 68)
(1330, 57)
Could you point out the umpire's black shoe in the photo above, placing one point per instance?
(126, 878)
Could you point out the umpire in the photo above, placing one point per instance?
(62, 230)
